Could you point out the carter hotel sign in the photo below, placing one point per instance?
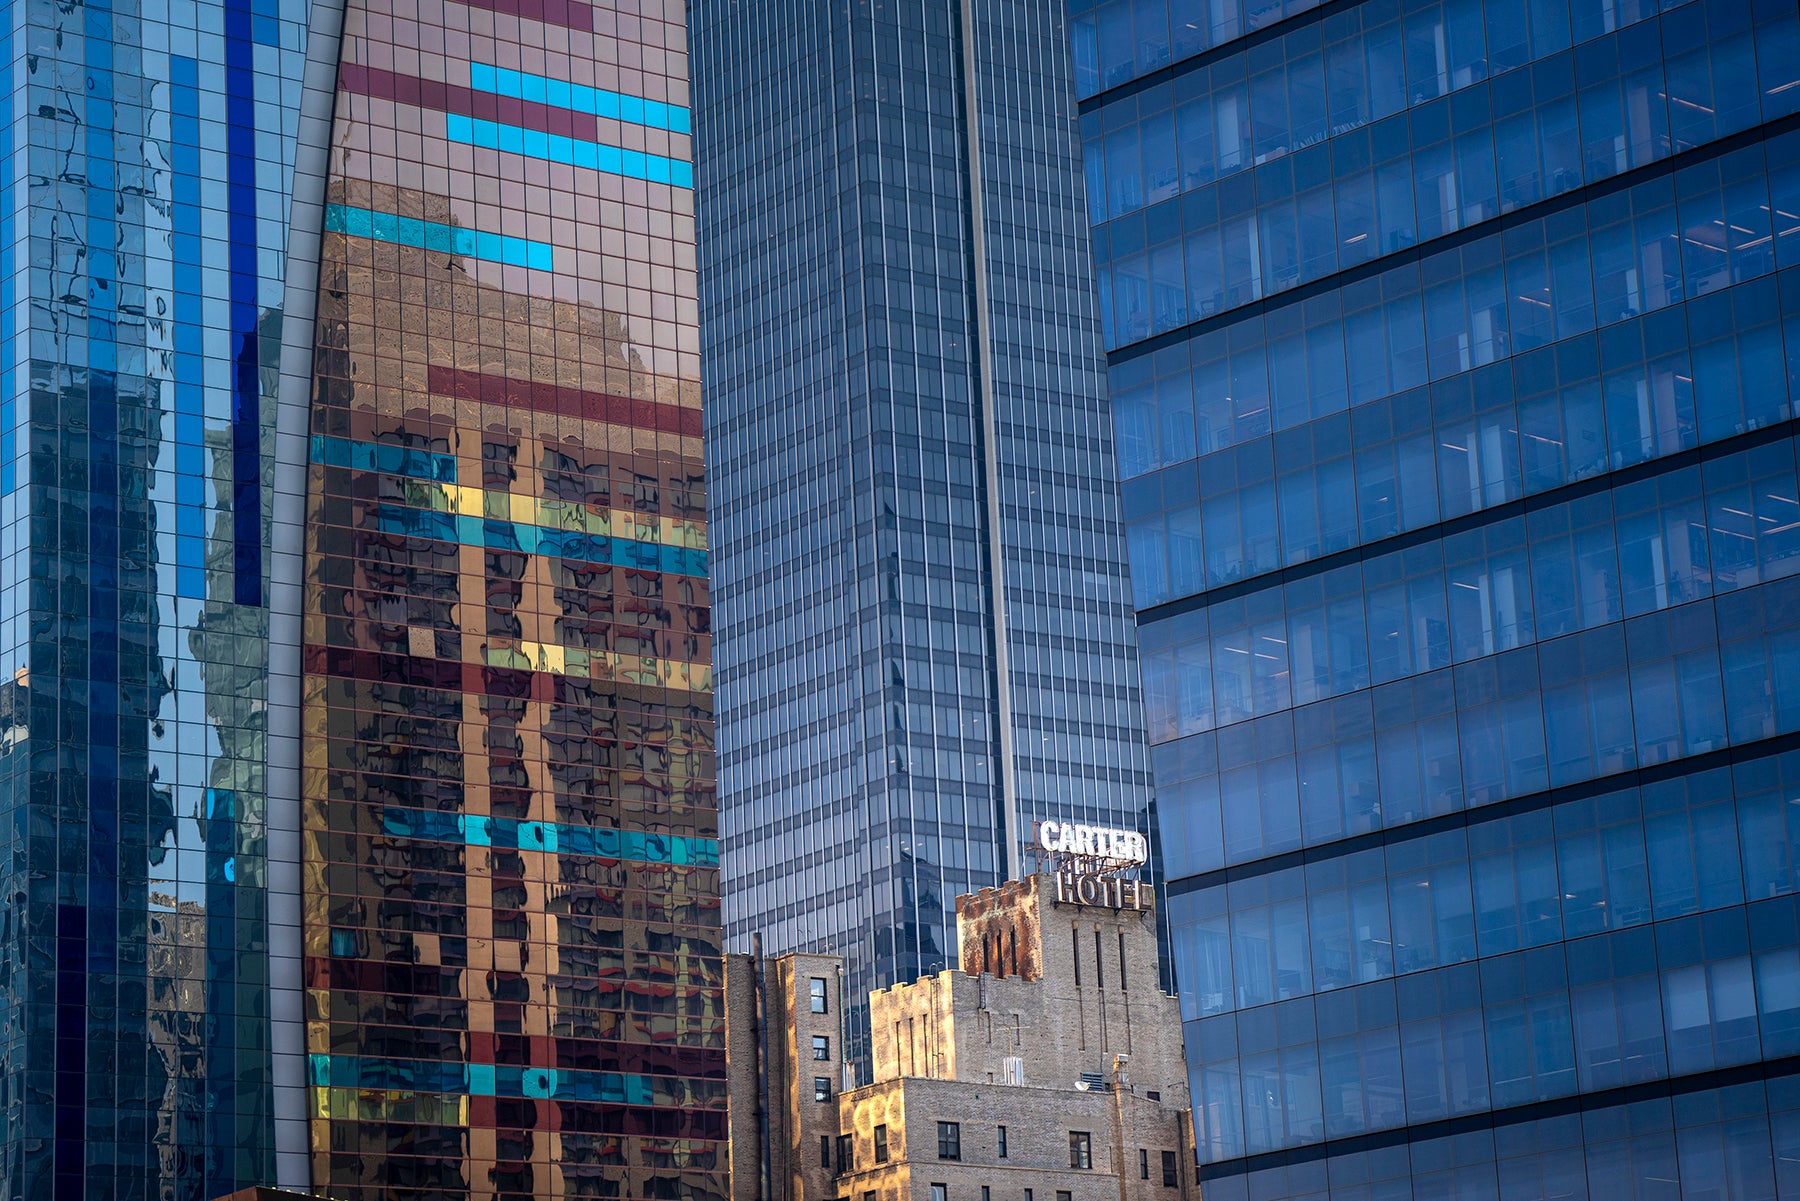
(1087, 860)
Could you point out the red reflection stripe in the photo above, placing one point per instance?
(558, 398)
(442, 674)
(455, 98)
(571, 13)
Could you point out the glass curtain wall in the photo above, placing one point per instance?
(1455, 351)
(511, 905)
(925, 641)
(146, 169)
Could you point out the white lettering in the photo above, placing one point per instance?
(1092, 842)
(1084, 888)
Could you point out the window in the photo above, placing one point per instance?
(1081, 1149)
(939, 1192)
(1143, 1164)
(986, 1193)
(821, 1047)
(1064, 1195)
(949, 1140)
(1121, 959)
(821, 1088)
(846, 1153)
(881, 1144)
(815, 989)
(824, 1150)
(1002, 1142)
(1075, 946)
(1099, 962)
(1169, 1180)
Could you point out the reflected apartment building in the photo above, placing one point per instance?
(357, 760)
(1455, 353)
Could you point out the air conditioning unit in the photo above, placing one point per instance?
(1012, 1071)
(1093, 1082)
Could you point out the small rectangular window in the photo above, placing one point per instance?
(821, 1046)
(1064, 1195)
(940, 1192)
(1075, 945)
(816, 993)
(949, 1140)
(1143, 1164)
(1002, 1142)
(881, 1144)
(846, 1153)
(1099, 962)
(821, 1088)
(1121, 959)
(824, 1150)
(1169, 1175)
(1081, 1149)
(986, 1194)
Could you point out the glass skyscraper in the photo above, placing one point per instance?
(1455, 354)
(924, 638)
(355, 699)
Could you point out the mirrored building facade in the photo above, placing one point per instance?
(1455, 351)
(925, 636)
(147, 155)
(355, 723)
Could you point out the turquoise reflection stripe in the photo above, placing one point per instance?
(376, 456)
(509, 833)
(479, 1079)
(494, 534)
(541, 89)
(431, 235)
(533, 143)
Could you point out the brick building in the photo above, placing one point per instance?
(1049, 1067)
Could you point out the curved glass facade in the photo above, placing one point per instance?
(356, 763)
(146, 171)
(509, 816)
(1455, 354)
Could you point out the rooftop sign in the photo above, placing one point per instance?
(1098, 849)
(1086, 862)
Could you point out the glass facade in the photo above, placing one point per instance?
(925, 637)
(509, 815)
(356, 753)
(146, 164)
(1455, 357)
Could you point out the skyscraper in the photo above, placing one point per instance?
(1455, 351)
(924, 626)
(357, 748)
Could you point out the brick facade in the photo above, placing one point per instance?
(1055, 1026)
